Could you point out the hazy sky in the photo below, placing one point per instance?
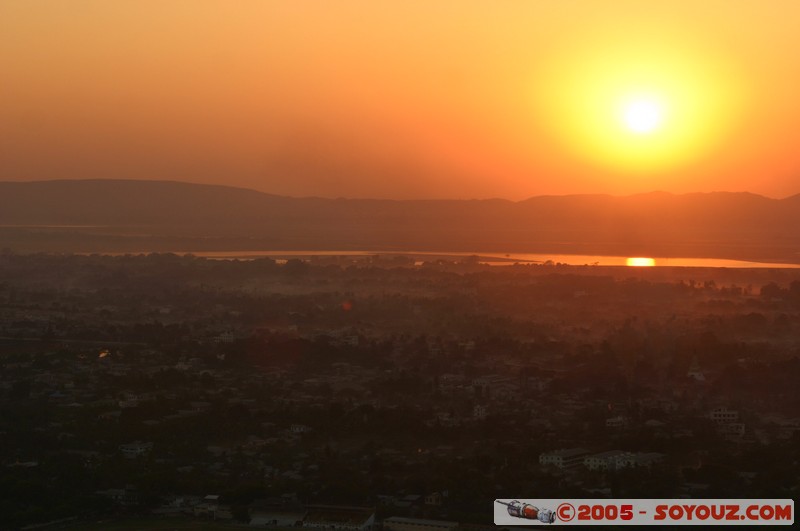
(402, 99)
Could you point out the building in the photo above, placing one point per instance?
(434, 498)
(732, 430)
(339, 518)
(603, 460)
(695, 373)
(788, 428)
(494, 386)
(127, 497)
(135, 449)
(408, 501)
(636, 460)
(397, 523)
(265, 517)
(723, 415)
(564, 458)
(208, 507)
(225, 337)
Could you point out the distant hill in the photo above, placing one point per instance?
(117, 215)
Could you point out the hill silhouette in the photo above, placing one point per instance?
(125, 215)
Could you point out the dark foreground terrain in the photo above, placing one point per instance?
(141, 386)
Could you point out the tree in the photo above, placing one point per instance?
(772, 291)
(241, 513)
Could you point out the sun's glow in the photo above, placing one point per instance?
(640, 262)
(641, 109)
(643, 116)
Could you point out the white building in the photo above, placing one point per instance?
(636, 460)
(564, 458)
(603, 460)
(723, 415)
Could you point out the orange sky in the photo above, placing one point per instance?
(401, 99)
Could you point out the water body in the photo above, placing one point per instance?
(501, 259)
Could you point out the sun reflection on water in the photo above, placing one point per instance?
(640, 262)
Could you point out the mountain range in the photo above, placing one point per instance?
(127, 215)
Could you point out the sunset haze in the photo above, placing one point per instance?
(400, 100)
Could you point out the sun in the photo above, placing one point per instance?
(641, 108)
(642, 116)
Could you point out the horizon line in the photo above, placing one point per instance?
(431, 199)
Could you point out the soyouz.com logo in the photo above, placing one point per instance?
(520, 511)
